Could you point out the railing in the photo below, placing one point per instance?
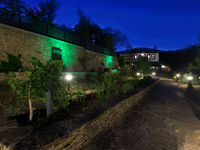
(30, 24)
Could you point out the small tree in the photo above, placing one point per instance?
(142, 65)
(41, 82)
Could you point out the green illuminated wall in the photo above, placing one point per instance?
(68, 51)
(28, 44)
(108, 60)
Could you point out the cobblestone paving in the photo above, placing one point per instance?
(162, 121)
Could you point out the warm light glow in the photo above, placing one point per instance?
(142, 54)
(153, 73)
(163, 66)
(178, 75)
(189, 78)
(69, 77)
(138, 74)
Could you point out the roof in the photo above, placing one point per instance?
(139, 50)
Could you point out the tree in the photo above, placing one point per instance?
(17, 7)
(142, 65)
(41, 81)
(45, 11)
(91, 32)
(83, 28)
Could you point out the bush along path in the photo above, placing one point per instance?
(162, 121)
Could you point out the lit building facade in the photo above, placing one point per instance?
(134, 55)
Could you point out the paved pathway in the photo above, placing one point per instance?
(162, 121)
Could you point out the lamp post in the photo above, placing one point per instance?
(190, 87)
(68, 77)
(153, 74)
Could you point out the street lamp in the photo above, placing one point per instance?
(68, 77)
(153, 73)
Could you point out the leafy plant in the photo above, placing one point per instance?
(13, 64)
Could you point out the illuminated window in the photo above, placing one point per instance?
(135, 56)
(153, 57)
(56, 53)
(149, 56)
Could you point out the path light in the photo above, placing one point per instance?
(138, 74)
(163, 66)
(68, 77)
(153, 73)
(178, 75)
(189, 78)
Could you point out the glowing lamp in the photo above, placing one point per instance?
(153, 73)
(178, 75)
(69, 77)
(189, 78)
(163, 66)
(138, 74)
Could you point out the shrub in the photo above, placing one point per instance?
(13, 64)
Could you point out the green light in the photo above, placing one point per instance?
(68, 51)
(114, 70)
(108, 61)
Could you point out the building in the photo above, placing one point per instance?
(133, 55)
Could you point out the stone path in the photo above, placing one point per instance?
(162, 121)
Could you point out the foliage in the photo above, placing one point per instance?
(194, 66)
(121, 62)
(13, 64)
(142, 65)
(39, 80)
(91, 32)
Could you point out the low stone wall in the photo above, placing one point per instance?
(83, 135)
(19, 75)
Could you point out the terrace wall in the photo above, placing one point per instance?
(25, 44)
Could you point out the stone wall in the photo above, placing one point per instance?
(25, 44)
(83, 135)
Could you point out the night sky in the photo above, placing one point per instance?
(168, 24)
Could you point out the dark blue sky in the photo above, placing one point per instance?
(168, 24)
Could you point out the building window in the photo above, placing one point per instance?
(153, 57)
(56, 53)
(136, 57)
(149, 57)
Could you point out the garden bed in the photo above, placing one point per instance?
(45, 131)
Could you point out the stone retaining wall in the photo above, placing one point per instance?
(25, 44)
(82, 136)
